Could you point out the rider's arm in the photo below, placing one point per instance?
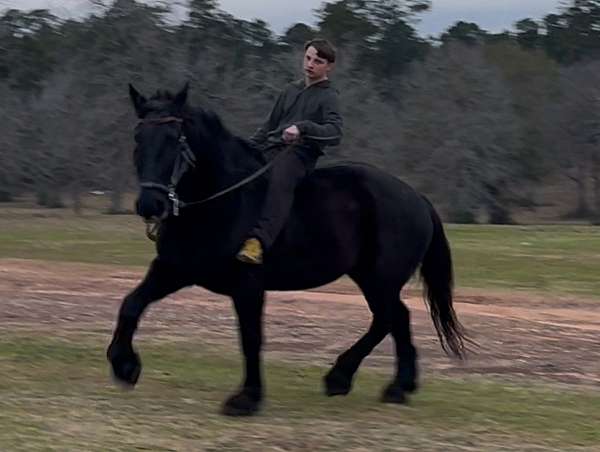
(328, 132)
(260, 136)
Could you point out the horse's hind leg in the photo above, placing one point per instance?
(389, 315)
(159, 282)
(339, 379)
(406, 355)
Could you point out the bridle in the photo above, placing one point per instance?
(185, 161)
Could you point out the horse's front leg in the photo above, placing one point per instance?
(248, 302)
(159, 282)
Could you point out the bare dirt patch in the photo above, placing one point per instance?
(555, 339)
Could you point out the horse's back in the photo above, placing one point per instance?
(391, 209)
(376, 192)
(368, 179)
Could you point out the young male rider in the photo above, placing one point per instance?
(305, 119)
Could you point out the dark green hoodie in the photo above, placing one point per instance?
(313, 109)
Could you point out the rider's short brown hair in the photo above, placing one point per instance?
(323, 47)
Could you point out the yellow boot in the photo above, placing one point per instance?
(251, 252)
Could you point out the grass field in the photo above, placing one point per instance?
(562, 259)
(55, 393)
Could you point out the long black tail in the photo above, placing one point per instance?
(438, 283)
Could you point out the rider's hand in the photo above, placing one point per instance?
(291, 134)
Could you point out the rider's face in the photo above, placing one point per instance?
(315, 67)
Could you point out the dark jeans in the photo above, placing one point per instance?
(285, 175)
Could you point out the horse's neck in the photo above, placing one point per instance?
(236, 160)
(222, 162)
(221, 224)
(227, 219)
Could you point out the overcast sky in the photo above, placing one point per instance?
(492, 15)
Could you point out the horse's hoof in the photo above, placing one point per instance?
(241, 404)
(394, 394)
(407, 378)
(126, 367)
(410, 387)
(336, 383)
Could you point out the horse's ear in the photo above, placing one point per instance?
(181, 96)
(137, 99)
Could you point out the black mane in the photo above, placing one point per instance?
(208, 119)
(212, 124)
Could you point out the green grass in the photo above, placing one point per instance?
(55, 395)
(61, 236)
(563, 259)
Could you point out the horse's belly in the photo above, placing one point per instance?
(315, 249)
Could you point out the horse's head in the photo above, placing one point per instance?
(159, 140)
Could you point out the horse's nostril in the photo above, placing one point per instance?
(151, 205)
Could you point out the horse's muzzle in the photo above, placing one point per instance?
(152, 204)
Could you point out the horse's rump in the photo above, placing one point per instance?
(346, 215)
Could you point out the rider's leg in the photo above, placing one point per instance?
(286, 173)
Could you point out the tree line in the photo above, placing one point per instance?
(481, 122)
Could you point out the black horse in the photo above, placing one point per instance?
(350, 219)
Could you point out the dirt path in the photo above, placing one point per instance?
(556, 339)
